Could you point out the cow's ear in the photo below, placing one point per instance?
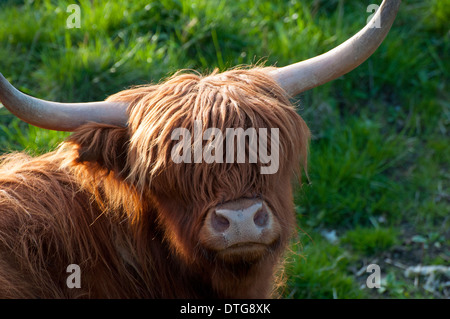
(102, 145)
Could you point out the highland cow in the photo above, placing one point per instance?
(112, 201)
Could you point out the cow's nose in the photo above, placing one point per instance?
(253, 219)
(240, 222)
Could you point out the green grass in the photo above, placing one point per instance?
(380, 153)
(320, 270)
(370, 241)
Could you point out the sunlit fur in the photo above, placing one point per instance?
(111, 199)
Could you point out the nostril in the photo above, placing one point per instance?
(261, 218)
(219, 222)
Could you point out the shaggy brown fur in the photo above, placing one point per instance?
(111, 200)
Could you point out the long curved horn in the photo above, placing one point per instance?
(60, 116)
(305, 75)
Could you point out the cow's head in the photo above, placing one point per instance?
(184, 152)
(234, 211)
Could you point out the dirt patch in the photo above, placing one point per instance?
(412, 269)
